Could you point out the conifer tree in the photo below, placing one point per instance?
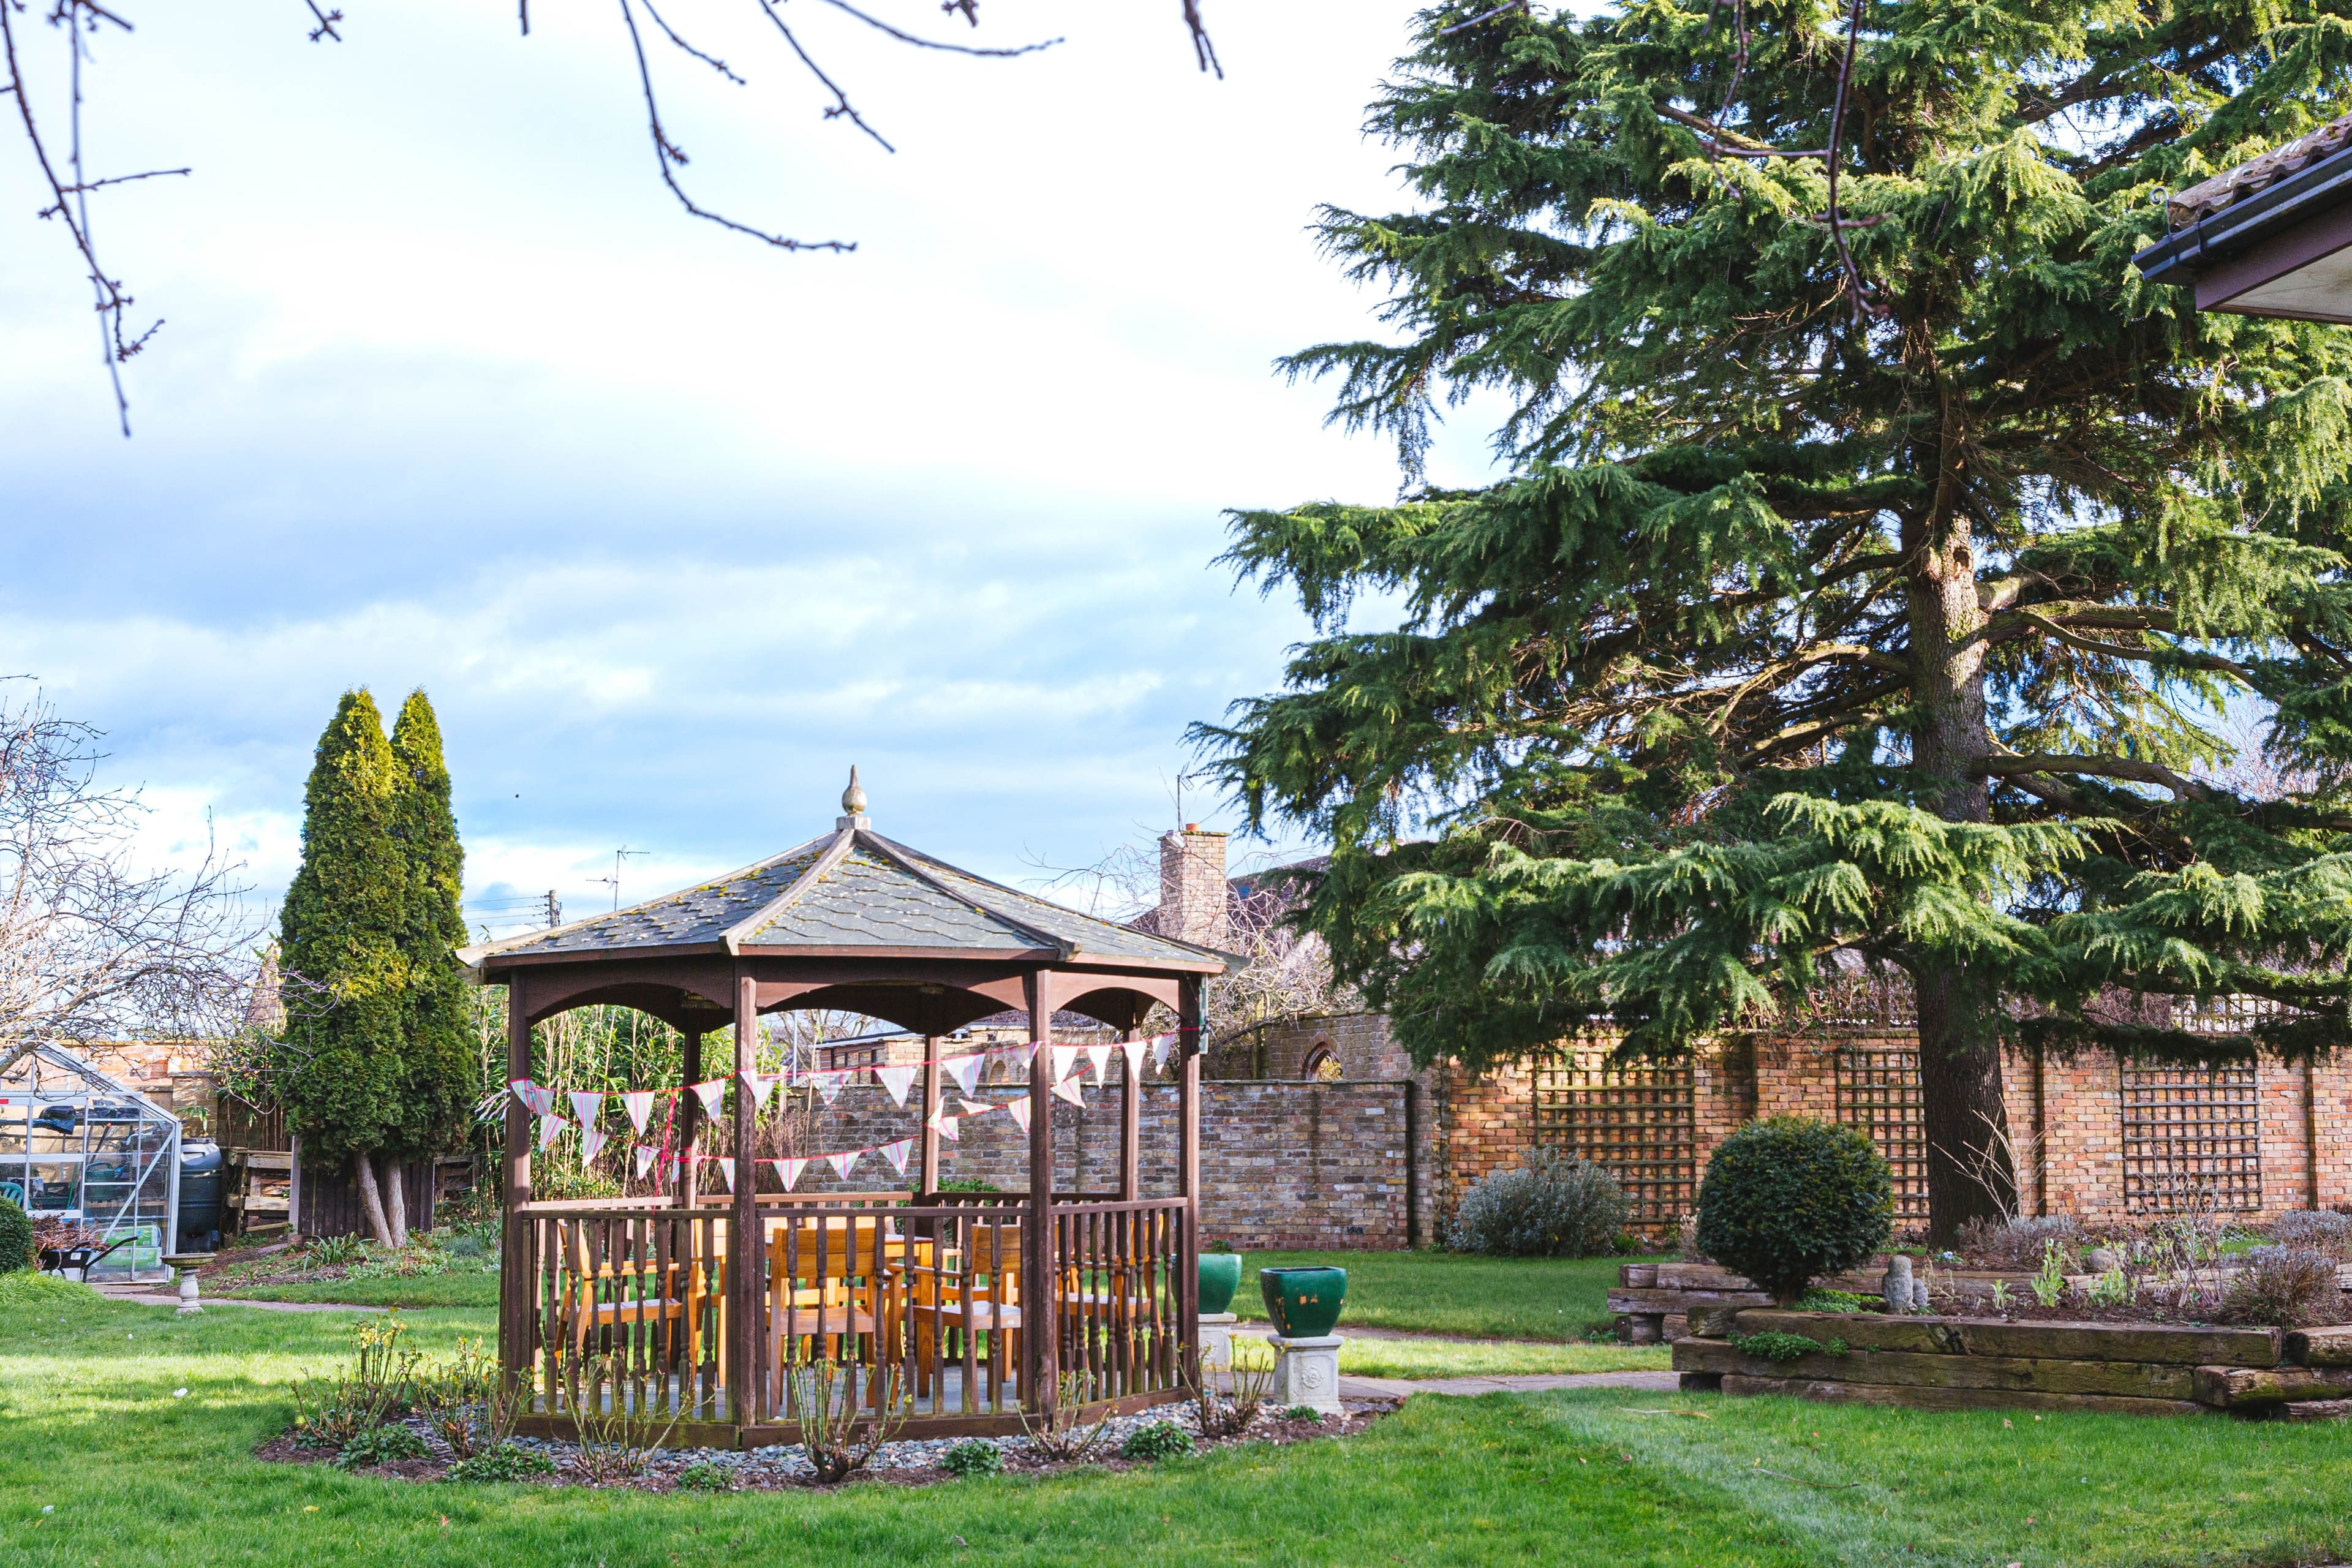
(346, 988)
(437, 1046)
(1899, 608)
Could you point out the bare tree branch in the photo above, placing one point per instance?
(91, 946)
(715, 64)
(666, 153)
(1203, 50)
(69, 196)
(840, 108)
(921, 43)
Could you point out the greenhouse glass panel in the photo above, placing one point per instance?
(95, 1162)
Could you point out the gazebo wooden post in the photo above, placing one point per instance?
(1041, 1290)
(927, 1173)
(1130, 1122)
(689, 1112)
(517, 1270)
(746, 1247)
(1189, 1045)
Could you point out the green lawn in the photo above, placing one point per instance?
(473, 1289)
(139, 1479)
(1364, 1357)
(1426, 1293)
(1456, 1293)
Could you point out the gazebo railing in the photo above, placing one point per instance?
(867, 1297)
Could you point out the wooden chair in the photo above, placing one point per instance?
(981, 1296)
(588, 1314)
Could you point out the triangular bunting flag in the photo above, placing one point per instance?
(827, 1085)
(842, 1162)
(1065, 1060)
(551, 1127)
(1018, 1056)
(945, 1126)
(897, 1155)
(761, 1085)
(536, 1099)
(646, 1155)
(710, 1094)
(1068, 1089)
(896, 1080)
(592, 1144)
(725, 1171)
(1159, 1050)
(789, 1171)
(965, 1068)
(1100, 1057)
(1134, 1049)
(639, 1104)
(584, 1103)
(972, 1108)
(1020, 1109)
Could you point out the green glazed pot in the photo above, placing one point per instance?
(1221, 1276)
(1303, 1303)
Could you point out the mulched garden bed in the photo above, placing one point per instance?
(912, 1462)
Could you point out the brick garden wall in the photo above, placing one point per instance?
(1294, 1163)
(1284, 1165)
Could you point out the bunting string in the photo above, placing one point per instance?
(1066, 1064)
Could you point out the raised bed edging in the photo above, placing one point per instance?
(1951, 1363)
(1685, 1295)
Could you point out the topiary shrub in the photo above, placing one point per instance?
(1550, 1205)
(1786, 1200)
(16, 1238)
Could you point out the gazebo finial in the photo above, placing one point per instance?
(852, 802)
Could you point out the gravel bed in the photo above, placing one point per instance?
(907, 1460)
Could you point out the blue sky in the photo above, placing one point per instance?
(674, 528)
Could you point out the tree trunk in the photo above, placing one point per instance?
(372, 1200)
(395, 1203)
(1960, 1102)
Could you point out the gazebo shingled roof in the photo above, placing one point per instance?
(855, 922)
(853, 891)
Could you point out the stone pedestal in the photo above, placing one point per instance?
(1306, 1371)
(1216, 1343)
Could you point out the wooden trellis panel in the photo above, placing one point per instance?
(1638, 1123)
(2192, 1135)
(1878, 1095)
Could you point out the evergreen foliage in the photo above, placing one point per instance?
(438, 1048)
(16, 1238)
(345, 1082)
(1908, 633)
(1788, 1200)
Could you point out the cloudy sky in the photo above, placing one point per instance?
(674, 527)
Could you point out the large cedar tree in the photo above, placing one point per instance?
(1914, 624)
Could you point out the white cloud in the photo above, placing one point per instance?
(673, 526)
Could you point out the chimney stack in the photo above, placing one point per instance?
(1192, 895)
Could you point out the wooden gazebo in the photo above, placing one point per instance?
(968, 1310)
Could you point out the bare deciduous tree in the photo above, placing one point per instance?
(59, 163)
(92, 945)
(1285, 973)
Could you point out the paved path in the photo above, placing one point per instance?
(1399, 1387)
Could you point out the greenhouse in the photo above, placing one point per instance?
(94, 1162)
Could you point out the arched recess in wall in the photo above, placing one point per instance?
(1323, 1064)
